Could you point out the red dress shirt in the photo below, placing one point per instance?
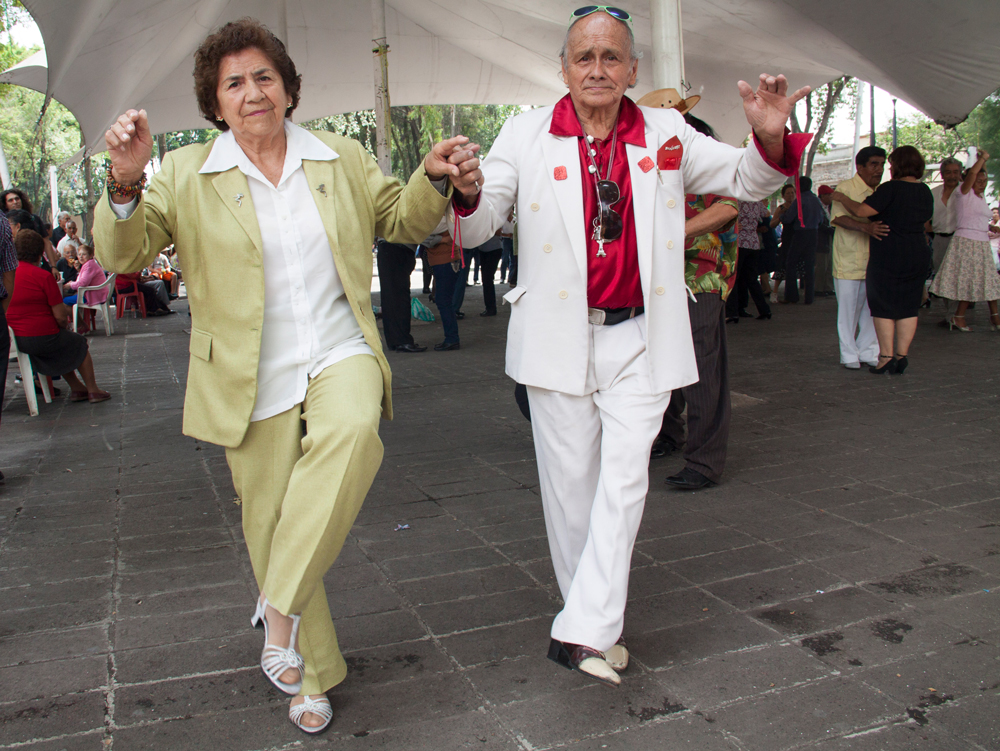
(612, 281)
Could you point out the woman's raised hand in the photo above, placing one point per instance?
(130, 145)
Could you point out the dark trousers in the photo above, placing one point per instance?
(489, 260)
(747, 285)
(4, 352)
(463, 279)
(425, 268)
(445, 278)
(708, 405)
(505, 259)
(395, 264)
(801, 250)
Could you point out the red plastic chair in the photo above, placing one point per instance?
(130, 299)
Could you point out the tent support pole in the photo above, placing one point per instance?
(4, 172)
(668, 45)
(380, 50)
(54, 188)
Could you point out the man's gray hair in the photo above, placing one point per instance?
(62, 215)
(633, 53)
(951, 160)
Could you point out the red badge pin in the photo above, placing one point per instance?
(559, 173)
(646, 164)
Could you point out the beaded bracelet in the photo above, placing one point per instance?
(125, 191)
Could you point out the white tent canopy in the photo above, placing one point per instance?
(105, 56)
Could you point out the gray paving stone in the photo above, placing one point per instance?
(53, 645)
(826, 708)
(46, 717)
(476, 612)
(208, 655)
(775, 586)
(465, 584)
(698, 640)
(54, 678)
(734, 677)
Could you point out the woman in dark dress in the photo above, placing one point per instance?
(898, 262)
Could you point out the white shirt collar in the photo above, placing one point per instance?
(226, 153)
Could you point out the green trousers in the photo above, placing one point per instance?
(301, 494)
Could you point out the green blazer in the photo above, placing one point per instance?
(219, 246)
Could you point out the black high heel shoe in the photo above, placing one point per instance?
(901, 363)
(889, 367)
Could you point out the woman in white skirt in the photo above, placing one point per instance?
(967, 272)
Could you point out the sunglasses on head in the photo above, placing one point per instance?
(611, 221)
(586, 10)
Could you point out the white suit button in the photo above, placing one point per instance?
(534, 207)
(547, 248)
(563, 294)
(659, 290)
(670, 243)
(671, 203)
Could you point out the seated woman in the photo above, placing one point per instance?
(153, 292)
(91, 275)
(39, 319)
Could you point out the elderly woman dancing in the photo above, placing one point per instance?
(967, 273)
(297, 212)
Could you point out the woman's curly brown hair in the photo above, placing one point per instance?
(236, 36)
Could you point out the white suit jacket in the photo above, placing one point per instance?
(548, 338)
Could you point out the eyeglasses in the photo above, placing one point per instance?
(611, 221)
(586, 10)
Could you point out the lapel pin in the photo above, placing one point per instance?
(646, 164)
(239, 199)
(559, 173)
(322, 189)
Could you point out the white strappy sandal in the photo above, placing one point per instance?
(320, 707)
(274, 661)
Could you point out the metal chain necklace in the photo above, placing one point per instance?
(598, 234)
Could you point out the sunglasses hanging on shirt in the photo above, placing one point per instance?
(608, 224)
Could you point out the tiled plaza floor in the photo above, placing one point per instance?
(840, 590)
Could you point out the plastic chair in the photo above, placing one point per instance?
(103, 308)
(135, 296)
(28, 377)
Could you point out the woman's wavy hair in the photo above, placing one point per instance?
(236, 36)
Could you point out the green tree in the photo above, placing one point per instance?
(981, 129)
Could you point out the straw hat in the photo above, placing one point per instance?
(669, 98)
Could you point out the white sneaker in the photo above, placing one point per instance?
(852, 365)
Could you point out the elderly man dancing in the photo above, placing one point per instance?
(599, 327)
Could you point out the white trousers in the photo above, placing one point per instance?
(593, 466)
(855, 327)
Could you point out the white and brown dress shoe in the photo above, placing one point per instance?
(617, 657)
(587, 660)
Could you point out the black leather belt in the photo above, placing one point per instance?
(611, 316)
(942, 234)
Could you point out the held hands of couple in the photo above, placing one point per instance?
(768, 109)
(455, 158)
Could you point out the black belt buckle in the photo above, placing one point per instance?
(612, 316)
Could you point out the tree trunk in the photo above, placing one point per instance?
(88, 180)
(834, 90)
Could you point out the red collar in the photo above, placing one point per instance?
(631, 124)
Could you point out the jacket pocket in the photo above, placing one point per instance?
(201, 344)
(514, 295)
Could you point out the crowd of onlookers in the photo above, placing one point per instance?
(44, 271)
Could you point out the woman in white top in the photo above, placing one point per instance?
(967, 273)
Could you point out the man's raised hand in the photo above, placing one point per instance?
(768, 109)
(130, 145)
